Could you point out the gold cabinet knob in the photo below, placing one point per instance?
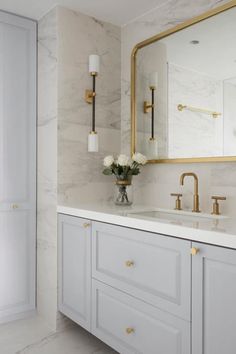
(129, 264)
(85, 225)
(129, 330)
(194, 251)
(216, 206)
(15, 206)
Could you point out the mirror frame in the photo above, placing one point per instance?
(151, 40)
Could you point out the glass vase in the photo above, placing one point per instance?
(123, 192)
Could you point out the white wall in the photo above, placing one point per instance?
(156, 182)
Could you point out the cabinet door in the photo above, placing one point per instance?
(75, 269)
(214, 296)
(17, 165)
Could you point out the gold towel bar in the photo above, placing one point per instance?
(181, 107)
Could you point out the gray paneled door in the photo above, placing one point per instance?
(214, 300)
(17, 165)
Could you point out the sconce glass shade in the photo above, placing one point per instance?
(153, 79)
(94, 63)
(152, 148)
(93, 142)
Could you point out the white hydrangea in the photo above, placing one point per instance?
(108, 161)
(123, 160)
(139, 158)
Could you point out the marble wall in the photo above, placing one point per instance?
(156, 182)
(80, 176)
(47, 169)
(67, 173)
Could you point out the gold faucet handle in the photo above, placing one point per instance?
(178, 200)
(216, 206)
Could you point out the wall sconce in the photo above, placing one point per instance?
(90, 97)
(147, 106)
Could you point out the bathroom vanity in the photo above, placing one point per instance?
(148, 283)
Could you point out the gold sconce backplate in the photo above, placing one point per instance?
(147, 106)
(89, 94)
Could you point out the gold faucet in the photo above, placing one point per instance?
(195, 196)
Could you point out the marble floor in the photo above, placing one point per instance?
(31, 336)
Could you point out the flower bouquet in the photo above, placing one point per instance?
(123, 168)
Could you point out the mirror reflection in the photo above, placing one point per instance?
(186, 92)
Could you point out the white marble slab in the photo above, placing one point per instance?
(220, 232)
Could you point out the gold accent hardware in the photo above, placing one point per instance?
(216, 206)
(195, 196)
(134, 53)
(147, 106)
(15, 206)
(129, 330)
(178, 200)
(129, 263)
(194, 251)
(85, 225)
(89, 94)
(214, 114)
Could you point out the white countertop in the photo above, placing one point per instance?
(216, 232)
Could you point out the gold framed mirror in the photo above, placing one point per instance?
(168, 122)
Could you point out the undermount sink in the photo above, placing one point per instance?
(175, 216)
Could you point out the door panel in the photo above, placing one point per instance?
(214, 294)
(75, 269)
(17, 165)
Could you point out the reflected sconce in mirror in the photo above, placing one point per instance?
(147, 106)
(90, 97)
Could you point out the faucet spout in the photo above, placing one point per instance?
(195, 196)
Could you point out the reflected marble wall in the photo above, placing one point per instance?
(80, 176)
(156, 182)
(194, 134)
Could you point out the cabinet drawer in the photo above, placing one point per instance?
(152, 267)
(132, 327)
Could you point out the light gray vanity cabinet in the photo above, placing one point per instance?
(213, 300)
(74, 263)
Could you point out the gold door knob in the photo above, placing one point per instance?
(129, 263)
(15, 206)
(129, 330)
(194, 251)
(85, 225)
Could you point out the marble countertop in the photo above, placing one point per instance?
(220, 232)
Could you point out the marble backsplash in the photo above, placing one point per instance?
(156, 182)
